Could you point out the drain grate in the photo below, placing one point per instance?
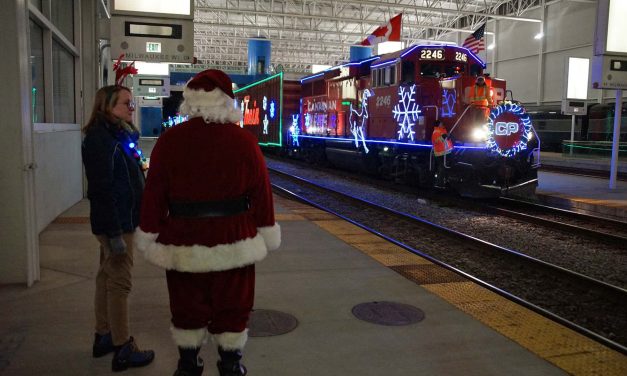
(266, 323)
(388, 313)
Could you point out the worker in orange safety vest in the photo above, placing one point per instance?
(482, 95)
(442, 146)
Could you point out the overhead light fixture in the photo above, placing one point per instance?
(539, 35)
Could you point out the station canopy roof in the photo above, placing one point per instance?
(321, 32)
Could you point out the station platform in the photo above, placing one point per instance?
(324, 268)
(587, 194)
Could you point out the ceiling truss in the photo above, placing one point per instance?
(303, 33)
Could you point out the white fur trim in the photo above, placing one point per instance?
(231, 340)
(271, 235)
(213, 106)
(189, 338)
(200, 258)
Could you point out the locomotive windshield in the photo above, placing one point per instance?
(441, 70)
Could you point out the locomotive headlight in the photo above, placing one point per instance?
(480, 133)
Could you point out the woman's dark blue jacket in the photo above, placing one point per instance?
(115, 180)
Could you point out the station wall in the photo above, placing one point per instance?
(58, 177)
(569, 32)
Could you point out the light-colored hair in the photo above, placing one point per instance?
(213, 106)
(105, 99)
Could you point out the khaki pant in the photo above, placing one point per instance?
(113, 284)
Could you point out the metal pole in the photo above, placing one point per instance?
(618, 112)
(572, 133)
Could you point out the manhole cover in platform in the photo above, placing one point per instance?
(388, 313)
(266, 323)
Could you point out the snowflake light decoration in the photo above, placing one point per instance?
(406, 112)
(449, 99)
(272, 104)
(265, 102)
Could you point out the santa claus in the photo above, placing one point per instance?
(207, 216)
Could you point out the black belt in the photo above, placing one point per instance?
(224, 208)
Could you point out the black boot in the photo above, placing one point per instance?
(229, 364)
(129, 355)
(103, 345)
(190, 364)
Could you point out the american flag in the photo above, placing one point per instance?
(475, 42)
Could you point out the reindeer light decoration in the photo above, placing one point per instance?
(357, 119)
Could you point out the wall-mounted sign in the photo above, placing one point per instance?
(152, 39)
(153, 47)
(151, 86)
(611, 28)
(609, 72)
(154, 8)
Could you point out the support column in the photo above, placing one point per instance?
(19, 243)
(540, 82)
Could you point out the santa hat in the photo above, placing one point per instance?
(210, 79)
(209, 95)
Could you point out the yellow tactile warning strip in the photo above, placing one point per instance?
(572, 352)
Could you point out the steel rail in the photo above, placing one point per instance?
(470, 239)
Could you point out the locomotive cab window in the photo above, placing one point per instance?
(408, 72)
(384, 76)
(475, 69)
(430, 70)
(454, 70)
(390, 75)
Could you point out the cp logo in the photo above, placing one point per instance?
(505, 129)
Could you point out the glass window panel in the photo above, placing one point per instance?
(37, 72)
(62, 12)
(63, 84)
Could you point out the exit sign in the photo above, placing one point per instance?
(153, 47)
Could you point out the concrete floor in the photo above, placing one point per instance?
(48, 329)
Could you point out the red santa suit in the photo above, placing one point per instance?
(209, 258)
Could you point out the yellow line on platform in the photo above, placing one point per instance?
(568, 350)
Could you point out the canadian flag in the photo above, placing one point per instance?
(389, 32)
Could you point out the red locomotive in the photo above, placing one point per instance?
(377, 115)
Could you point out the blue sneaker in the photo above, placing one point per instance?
(103, 345)
(129, 355)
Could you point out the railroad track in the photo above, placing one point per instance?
(603, 229)
(592, 307)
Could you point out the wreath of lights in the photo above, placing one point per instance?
(524, 118)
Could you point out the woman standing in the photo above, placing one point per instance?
(113, 165)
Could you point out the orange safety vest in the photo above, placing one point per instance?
(482, 96)
(441, 146)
